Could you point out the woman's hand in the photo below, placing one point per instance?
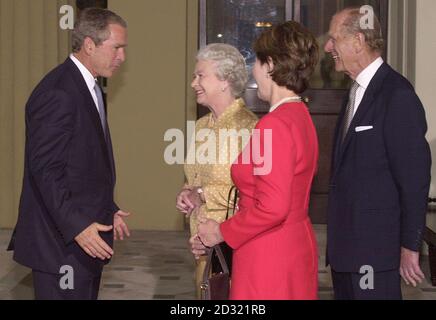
(209, 232)
(197, 247)
(188, 200)
(195, 197)
(183, 203)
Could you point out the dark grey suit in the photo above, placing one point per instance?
(69, 177)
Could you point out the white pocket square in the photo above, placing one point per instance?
(360, 129)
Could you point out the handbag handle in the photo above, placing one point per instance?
(235, 200)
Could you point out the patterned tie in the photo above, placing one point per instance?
(100, 106)
(349, 111)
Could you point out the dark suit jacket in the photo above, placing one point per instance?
(69, 175)
(380, 178)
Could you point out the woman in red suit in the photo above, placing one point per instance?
(275, 253)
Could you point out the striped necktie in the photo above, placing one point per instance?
(100, 106)
(349, 111)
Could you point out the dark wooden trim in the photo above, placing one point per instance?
(202, 39)
(202, 42)
(324, 101)
(289, 10)
(430, 236)
(254, 103)
(83, 4)
(430, 239)
(297, 11)
(384, 17)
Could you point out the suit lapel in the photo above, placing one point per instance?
(90, 108)
(338, 134)
(111, 153)
(366, 104)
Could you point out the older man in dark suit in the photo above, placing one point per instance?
(68, 218)
(380, 171)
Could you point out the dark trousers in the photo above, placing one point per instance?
(48, 287)
(347, 286)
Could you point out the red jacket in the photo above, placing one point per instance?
(275, 250)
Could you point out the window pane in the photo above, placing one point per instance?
(316, 15)
(239, 22)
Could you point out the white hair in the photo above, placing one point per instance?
(230, 65)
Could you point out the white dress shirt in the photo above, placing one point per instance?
(364, 78)
(89, 78)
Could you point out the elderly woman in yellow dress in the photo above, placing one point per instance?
(220, 78)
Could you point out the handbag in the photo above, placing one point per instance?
(215, 286)
(226, 250)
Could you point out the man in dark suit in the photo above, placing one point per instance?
(67, 217)
(380, 171)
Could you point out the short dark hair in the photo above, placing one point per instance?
(93, 23)
(373, 36)
(294, 52)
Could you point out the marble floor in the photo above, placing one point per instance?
(155, 265)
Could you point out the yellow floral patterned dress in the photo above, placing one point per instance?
(217, 145)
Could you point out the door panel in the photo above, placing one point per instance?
(325, 127)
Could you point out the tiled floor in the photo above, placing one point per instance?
(158, 265)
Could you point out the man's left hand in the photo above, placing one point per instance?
(410, 270)
(120, 227)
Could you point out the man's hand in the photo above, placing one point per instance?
(209, 232)
(91, 242)
(410, 270)
(120, 227)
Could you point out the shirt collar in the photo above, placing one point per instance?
(89, 78)
(365, 77)
(228, 113)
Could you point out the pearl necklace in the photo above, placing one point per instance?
(287, 99)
